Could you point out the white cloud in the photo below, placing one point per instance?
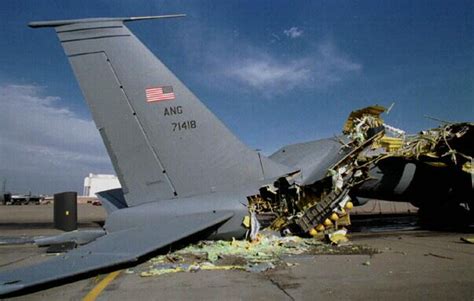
(326, 66)
(275, 38)
(330, 65)
(269, 75)
(293, 32)
(43, 146)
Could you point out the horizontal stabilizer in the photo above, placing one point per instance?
(55, 23)
(110, 250)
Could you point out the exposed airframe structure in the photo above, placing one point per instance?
(183, 173)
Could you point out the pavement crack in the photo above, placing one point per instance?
(275, 283)
(15, 261)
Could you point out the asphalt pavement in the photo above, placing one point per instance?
(411, 264)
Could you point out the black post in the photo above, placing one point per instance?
(65, 211)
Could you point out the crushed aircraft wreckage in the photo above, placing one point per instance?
(322, 207)
(184, 175)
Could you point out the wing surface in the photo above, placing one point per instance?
(110, 250)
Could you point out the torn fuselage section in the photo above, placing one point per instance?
(432, 170)
(303, 210)
(290, 206)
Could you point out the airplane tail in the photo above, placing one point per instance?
(162, 141)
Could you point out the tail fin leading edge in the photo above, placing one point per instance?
(163, 142)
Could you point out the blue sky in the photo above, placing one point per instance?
(275, 72)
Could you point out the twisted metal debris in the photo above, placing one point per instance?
(322, 207)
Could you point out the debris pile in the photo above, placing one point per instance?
(268, 252)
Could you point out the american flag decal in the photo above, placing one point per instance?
(155, 94)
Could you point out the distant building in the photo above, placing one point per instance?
(95, 183)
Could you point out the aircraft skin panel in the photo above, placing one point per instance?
(110, 250)
(133, 159)
(166, 148)
(92, 33)
(312, 158)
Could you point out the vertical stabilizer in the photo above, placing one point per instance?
(163, 142)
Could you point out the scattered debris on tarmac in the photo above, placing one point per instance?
(468, 240)
(267, 252)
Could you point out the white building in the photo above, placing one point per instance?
(96, 183)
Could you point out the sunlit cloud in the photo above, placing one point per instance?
(326, 66)
(266, 73)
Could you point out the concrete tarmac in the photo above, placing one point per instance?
(413, 264)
